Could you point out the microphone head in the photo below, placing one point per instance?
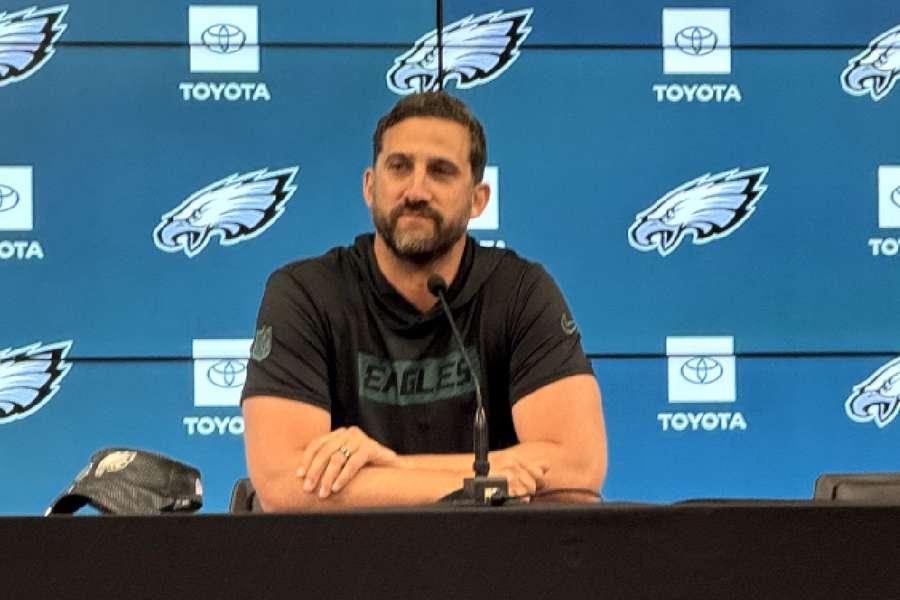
(436, 285)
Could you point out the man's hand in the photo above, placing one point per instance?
(525, 476)
(331, 461)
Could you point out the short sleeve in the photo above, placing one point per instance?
(545, 341)
(289, 356)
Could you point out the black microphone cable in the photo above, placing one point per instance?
(557, 491)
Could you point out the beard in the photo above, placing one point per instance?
(416, 244)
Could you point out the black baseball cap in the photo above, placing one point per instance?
(128, 481)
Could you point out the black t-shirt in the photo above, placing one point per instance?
(333, 332)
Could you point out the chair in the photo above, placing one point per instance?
(878, 488)
(243, 498)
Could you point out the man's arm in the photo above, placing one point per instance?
(562, 445)
(561, 423)
(277, 431)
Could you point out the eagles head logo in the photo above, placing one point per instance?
(115, 462)
(26, 40)
(476, 50)
(237, 208)
(29, 377)
(709, 207)
(875, 70)
(877, 399)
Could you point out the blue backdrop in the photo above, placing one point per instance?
(587, 131)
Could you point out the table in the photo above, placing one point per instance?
(694, 550)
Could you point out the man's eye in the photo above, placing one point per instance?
(442, 170)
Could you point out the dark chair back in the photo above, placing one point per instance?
(881, 488)
(243, 498)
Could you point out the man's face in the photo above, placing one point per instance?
(420, 191)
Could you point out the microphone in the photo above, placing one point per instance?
(480, 489)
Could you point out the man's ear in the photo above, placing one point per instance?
(368, 186)
(480, 198)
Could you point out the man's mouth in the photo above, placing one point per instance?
(420, 214)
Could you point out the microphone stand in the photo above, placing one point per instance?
(482, 489)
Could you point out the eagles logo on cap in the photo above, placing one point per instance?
(132, 482)
(114, 462)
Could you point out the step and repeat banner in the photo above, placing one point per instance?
(715, 187)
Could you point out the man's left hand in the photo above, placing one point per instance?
(331, 461)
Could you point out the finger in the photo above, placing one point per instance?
(519, 491)
(518, 488)
(313, 447)
(358, 459)
(515, 484)
(527, 481)
(332, 470)
(512, 486)
(537, 472)
(530, 485)
(309, 452)
(355, 437)
(320, 462)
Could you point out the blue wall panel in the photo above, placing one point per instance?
(587, 131)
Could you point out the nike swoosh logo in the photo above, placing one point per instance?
(568, 325)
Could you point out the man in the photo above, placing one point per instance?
(356, 392)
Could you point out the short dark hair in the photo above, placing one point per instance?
(442, 106)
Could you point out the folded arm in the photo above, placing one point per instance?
(278, 431)
(561, 423)
(563, 445)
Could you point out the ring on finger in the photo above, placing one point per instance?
(345, 451)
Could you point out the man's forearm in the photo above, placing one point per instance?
(569, 467)
(419, 479)
(462, 463)
(371, 486)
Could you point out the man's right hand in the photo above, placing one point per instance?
(525, 476)
(330, 461)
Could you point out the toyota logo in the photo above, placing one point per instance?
(9, 198)
(895, 197)
(702, 370)
(228, 373)
(223, 38)
(696, 40)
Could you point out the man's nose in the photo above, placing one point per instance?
(419, 188)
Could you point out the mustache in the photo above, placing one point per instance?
(419, 208)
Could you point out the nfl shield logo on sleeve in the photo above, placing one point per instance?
(262, 343)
